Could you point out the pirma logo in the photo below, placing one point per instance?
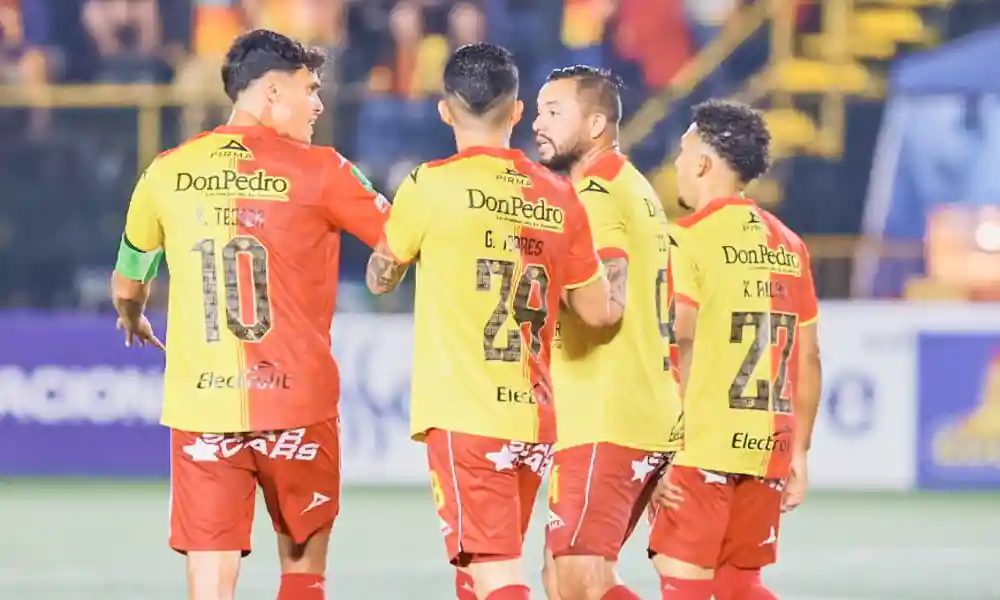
(265, 375)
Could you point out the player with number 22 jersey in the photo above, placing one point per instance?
(745, 318)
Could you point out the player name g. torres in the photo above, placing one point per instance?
(515, 209)
(777, 259)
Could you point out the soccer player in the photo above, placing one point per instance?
(249, 217)
(745, 325)
(497, 240)
(617, 400)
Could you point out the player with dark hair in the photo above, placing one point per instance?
(249, 216)
(745, 325)
(618, 400)
(497, 240)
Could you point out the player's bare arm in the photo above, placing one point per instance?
(685, 322)
(616, 270)
(806, 407)
(129, 298)
(384, 273)
(592, 303)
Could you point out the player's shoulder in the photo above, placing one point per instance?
(784, 232)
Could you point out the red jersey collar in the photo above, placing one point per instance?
(502, 153)
(246, 130)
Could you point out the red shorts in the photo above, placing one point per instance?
(484, 490)
(214, 477)
(724, 520)
(597, 494)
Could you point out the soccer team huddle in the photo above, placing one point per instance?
(657, 370)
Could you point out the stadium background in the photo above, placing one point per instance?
(886, 122)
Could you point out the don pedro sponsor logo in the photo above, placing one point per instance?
(777, 260)
(227, 182)
(779, 441)
(515, 209)
(265, 375)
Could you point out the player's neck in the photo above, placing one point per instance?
(473, 138)
(244, 118)
(591, 156)
(717, 190)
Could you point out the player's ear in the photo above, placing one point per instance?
(598, 125)
(704, 165)
(515, 118)
(444, 111)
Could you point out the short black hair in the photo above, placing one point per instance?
(738, 134)
(602, 84)
(260, 51)
(481, 75)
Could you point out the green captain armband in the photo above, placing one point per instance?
(135, 264)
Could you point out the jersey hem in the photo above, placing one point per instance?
(597, 275)
(683, 299)
(179, 425)
(610, 252)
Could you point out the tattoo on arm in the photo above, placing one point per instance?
(616, 270)
(384, 273)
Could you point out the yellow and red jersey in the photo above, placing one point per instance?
(750, 278)
(496, 239)
(615, 384)
(250, 224)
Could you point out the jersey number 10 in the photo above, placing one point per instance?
(242, 244)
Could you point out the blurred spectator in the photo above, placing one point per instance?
(405, 83)
(583, 27)
(128, 37)
(653, 34)
(26, 53)
(217, 22)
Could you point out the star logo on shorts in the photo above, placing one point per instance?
(202, 451)
(641, 469)
(503, 458)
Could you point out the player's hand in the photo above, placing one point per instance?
(140, 331)
(667, 494)
(798, 481)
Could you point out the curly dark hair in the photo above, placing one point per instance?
(738, 134)
(481, 75)
(601, 84)
(260, 51)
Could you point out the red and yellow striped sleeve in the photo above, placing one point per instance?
(809, 311)
(607, 224)
(408, 220)
(684, 270)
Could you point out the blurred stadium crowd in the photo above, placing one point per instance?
(67, 171)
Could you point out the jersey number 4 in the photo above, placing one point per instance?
(767, 394)
(524, 313)
(261, 321)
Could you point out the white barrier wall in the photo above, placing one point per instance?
(866, 434)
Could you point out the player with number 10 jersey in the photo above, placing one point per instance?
(249, 220)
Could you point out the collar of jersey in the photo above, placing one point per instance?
(245, 129)
(718, 203)
(504, 153)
